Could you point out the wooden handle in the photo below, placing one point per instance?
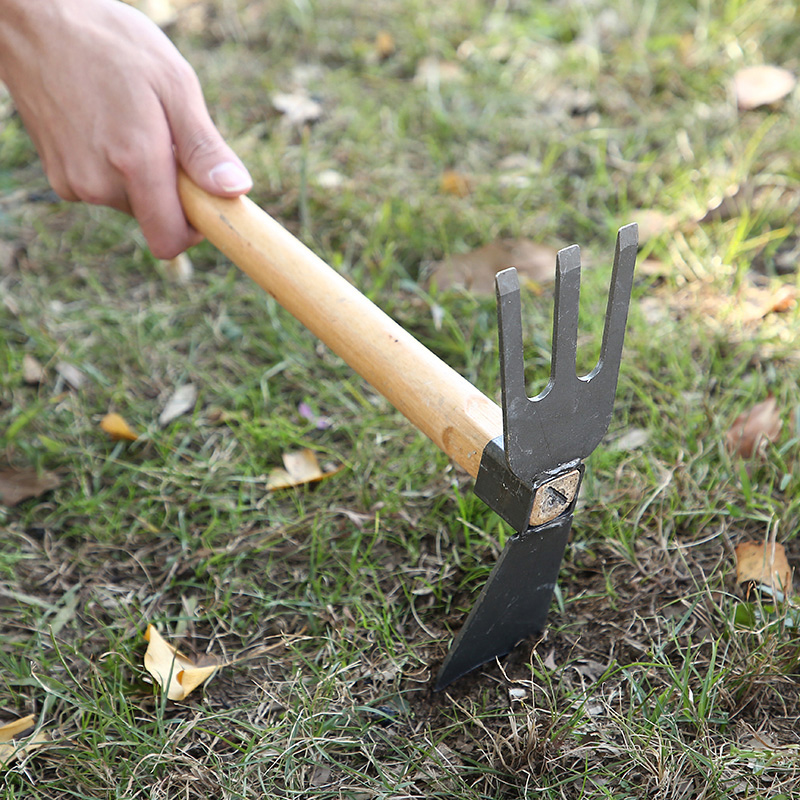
(435, 398)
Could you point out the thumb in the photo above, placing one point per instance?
(206, 158)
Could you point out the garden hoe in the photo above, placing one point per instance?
(526, 458)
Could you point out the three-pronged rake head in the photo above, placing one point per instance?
(548, 435)
(569, 418)
(531, 474)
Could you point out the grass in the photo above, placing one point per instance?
(642, 684)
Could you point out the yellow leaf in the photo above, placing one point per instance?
(455, 183)
(384, 44)
(116, 427)
(11, 729)
(763, 564)
(171, 669)
(300, 467)
(9, 749)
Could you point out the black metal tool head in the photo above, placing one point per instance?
(544, 435)
(569, 418)
(531, 474)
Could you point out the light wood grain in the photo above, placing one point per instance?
(435, 398)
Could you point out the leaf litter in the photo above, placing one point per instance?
(74, 377)
(174, 672)
(753, 429)
(299, 467)
(180, 402)
(22, 483)
(117, 428)
(762, 85)
(762, 564)
(475, 271)
(10, 747)
(32, 371)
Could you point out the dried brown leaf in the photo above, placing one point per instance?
(632, 439)
(753, 429)
(300, 467)
(653, 223)
(431, 72)
(763, 564)
(179, 269)
(10, 252)
(117, 428)
(12, 729)
(762, 85)
(181, 401)
(71, 374)
(297, 107)
(11, 749)
(475, 270)
(729, 204)
(171, 668)
(18, 484)
(757, 303)
(32, 370)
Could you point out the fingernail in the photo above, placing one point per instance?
(230, 177)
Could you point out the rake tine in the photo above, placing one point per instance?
(512, 363)
(565, 320)
(618, 299)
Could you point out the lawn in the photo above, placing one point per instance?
(393, 138)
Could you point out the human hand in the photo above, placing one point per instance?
(113, 109)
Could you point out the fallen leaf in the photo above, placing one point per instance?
(300, 467)
(762, 85)
(10, 252)
(179, 269)
(11, 729)
(475, 270)
(32, 370)
(763, 564)
(652, 267)
(171, 668)
(330, 179)
(455, 183)
(116, 427)
(71, 374)
(9, 750)
(384, 45)
(17, 485)
(181, 401)
(320, 775)
(297, 107)
(654, 223)
(757, 303)
(752, 430)
(728, 205)
(431, 72)
(631, 440)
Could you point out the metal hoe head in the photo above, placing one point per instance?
(532, 473)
